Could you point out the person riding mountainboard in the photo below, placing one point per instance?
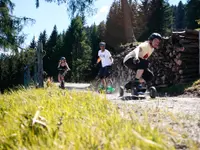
(105, 57)
(138, 60)
(63, 67)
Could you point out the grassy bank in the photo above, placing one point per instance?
(56, 119)
(191, 88)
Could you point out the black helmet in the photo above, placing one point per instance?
(155, 35)
(102, 44)
(62, 58)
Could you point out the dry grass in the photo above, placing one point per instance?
(55, 119)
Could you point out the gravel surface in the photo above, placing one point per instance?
(176, 117)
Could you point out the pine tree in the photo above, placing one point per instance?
(127, 21)
(115, 33)
(168, 18)
(50, 63)
(33, 43)
(192, 13)
(94, 38)
(159, 18)
(75, 7)
(180, 16)
(136, 20)
(81, 51)
(174, 8)
(102, 30)
(43, 38)
(144, 14)
(11, 26)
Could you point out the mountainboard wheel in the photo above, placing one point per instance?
(133, 97)
(152, 92)
(121, 91)
(134, 91)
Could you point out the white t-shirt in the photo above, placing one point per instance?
(105, 57)
(145, 51)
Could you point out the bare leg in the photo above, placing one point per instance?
(103, 81)
(59, 78)
(139, 74)
(142, 80)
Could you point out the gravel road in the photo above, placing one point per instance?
(176, 117)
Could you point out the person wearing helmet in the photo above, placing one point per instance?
(105, 57)
(63, 67)
(138, 60)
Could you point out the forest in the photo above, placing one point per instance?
(79, 43)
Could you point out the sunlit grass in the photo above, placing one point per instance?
(55, 119)
(195, 87)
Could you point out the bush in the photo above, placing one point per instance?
(12, 68)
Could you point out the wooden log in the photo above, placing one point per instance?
(191, 45)
(199, 52)
(194, 38)
(188, 80)
(189, 52)
(182, 71)
(189, 76)
(184, 56)
(178, 33)
(185, 41)
(189, 66)
(178, 61)
(190, 63)
(193, 32)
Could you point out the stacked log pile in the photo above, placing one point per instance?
(171, 63)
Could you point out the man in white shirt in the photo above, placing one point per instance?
(106, 62)
(138, 60)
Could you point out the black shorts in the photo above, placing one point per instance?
(143, 64)
(104, 72)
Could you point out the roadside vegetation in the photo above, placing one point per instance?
(55, 119)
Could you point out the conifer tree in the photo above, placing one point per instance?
(180, 16)
(81, 50)
(50, 64)
(192, 13)
(33, 43)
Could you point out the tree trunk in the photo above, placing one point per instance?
(129, 34)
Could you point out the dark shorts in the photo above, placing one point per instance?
(104, 72)
(61, 70)
(143, 64)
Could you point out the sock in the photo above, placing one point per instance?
(137, 80)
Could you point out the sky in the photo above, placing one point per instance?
(50, 14)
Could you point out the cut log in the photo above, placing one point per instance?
(189, 76)
(191, 45)
(188, 71)
(191, 32)
(188, 80)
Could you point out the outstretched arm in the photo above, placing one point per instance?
(98, 60)
(137, 50)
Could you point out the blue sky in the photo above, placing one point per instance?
(50, 14)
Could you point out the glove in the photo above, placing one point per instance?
(136, 60)
(95, 65)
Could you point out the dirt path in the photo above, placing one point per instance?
(177, 117)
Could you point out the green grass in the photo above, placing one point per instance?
(175, 89)
(70, 120)
(178, 89)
